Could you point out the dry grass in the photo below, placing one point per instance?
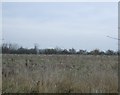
(0, 73)
(59, 74)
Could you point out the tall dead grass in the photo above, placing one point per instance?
(59, 74)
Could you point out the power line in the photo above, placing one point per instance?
(113, 38)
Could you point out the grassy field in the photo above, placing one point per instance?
(59, 74)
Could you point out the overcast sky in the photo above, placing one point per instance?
(65, 25)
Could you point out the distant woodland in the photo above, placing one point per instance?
(15, 49)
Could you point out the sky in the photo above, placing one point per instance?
(65, 25)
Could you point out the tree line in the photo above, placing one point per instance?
(15, 49)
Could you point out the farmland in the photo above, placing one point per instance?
(59, 73)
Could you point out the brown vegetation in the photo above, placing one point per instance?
(59, 74)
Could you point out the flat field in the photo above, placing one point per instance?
(59, 73)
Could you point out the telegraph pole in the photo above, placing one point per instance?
(36, 48)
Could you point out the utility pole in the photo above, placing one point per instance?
(36, 48)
